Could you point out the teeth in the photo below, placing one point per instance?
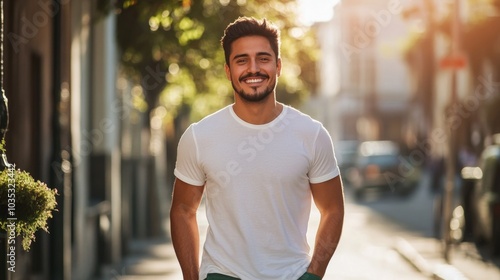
(251, 81)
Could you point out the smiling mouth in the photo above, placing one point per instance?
(254, 81)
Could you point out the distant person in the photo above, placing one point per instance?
(260, 164)
(437, 170)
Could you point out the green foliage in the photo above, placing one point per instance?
(180, 40)
(481, 10)
(2, 146)
(33, 204)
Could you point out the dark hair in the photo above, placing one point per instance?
(249, 26)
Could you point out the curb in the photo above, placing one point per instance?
(438, 271)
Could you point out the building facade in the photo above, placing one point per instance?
(73, 126)
(363, 72)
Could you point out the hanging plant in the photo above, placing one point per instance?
(25, 204)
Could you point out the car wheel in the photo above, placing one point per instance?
(406, 189)
(478, 231)
(359, 194)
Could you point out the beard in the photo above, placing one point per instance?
(255, 96)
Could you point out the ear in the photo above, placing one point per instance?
(278, 67)
(228, 71)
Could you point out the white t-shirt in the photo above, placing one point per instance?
(258, 197)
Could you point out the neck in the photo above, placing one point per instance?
(256, 112)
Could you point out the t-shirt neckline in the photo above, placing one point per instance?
(258, 126)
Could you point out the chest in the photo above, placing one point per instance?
(265, 154)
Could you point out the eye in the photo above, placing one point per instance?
(241, 61)
(265, 59)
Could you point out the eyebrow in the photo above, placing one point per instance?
(246, 55)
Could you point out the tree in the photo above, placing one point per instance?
(172, 48)
(481, 42)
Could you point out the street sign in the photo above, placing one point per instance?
(453, 61)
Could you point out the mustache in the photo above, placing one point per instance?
(255, 75)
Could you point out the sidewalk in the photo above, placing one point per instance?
(148, 260)
(154, 259)
(425, 254)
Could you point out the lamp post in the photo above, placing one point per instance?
(451, 162)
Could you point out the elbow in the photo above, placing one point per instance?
(182, 213)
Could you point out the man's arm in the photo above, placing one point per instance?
(329, 198)
(184, 227)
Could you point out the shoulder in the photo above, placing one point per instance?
(207, 124)
(216, 116)
(212, 121)
(301, 120)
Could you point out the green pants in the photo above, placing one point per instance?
(309, 276)
(217, 276)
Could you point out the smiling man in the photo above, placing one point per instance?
(260, 164)
(260, 80)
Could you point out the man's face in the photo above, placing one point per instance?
(253, 68)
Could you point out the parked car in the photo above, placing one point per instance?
(486, 198)
(378, 166)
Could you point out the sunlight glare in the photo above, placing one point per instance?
(311, 11)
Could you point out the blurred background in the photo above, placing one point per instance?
(99, 92)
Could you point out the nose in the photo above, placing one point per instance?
(253, 67)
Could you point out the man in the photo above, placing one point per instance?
(258, 162)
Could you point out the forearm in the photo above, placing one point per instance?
(327, 239)
(185, 239)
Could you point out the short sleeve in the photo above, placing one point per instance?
(324, 164)
(187, 167)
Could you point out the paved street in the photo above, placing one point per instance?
(366, 250)
(415, 215)
(384, 237)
